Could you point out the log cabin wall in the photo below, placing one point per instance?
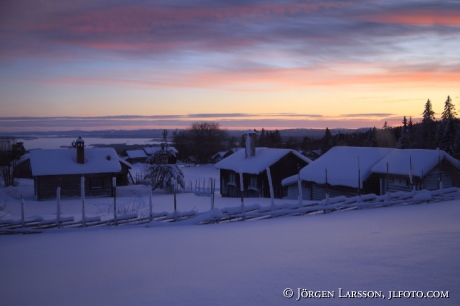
(256, 185)
(99, 184)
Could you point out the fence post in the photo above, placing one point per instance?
(213, 191)
(359, 178)
(211, 195)
(114, 184)
(58, 213)
(82, 191)
(173, 186)
(22, 212)
(243, 209)
(299, 185)
(270, 184)
(150, 205)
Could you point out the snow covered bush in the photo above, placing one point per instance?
(160, 173)
(4, 208)
(160, 177)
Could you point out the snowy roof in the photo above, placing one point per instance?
(423, 161)
(64, 161)
(249, 132)
(123, 161)
(264, 158)
(22, 159)
(136, 154)
(152, 150)
(221, 154)
(342, 165)
(290, 180)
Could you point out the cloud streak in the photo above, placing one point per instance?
(229, 121)
(53, 52)
(152, 28)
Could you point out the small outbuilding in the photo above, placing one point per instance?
(408, 169)
(135, 156)
(142, 155)
(53, 168)
(21, 167)
(342, 171)
(251, 165)
(223, 154)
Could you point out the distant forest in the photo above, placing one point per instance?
(202, 140)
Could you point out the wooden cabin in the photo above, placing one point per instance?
(21, 167)
(53, 168)
(342, 171)
(135, 156)
(408, 169)
(142, 156)
(251, 165)
(224, 154)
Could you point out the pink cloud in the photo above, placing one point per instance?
(254, 80)
(430, 18)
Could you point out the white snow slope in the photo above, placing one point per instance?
(402, 248)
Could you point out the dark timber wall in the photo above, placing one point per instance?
(285, 167)
(95, 185)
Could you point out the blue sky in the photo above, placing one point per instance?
(244, 64)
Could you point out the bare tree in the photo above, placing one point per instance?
(208, 138)
(10, 152)
(201, 141)
(164, 136)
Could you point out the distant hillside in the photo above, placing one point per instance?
(144, 133)
(300, 133)
(156, 134)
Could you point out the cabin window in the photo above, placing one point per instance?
(231, 179)
(95, 183)
(253, 183)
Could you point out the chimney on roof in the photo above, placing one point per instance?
(80, 145)
(249, 138)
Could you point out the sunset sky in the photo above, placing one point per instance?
(110, 64)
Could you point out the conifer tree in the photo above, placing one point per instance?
(411, 127)
(428, 113)
(327, 141)
(160, 173)
(428, 128)
(372, 137)
(404, 141)
(448, 128)
(386, 137)
(449, 110)
(262, 138)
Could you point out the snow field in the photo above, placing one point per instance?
(412, 247)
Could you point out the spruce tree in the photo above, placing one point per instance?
(327, 142)
(449, 110)
(448, 128)
(428, 113)
(160, 173)
(262, 139)
(411, 130)
(372, 137)
(404, 141)
(386, 137)
(428, 128)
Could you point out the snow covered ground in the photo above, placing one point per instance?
(401, 248)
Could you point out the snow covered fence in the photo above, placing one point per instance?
(340, 203)
(201, 186)
(214, 215)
